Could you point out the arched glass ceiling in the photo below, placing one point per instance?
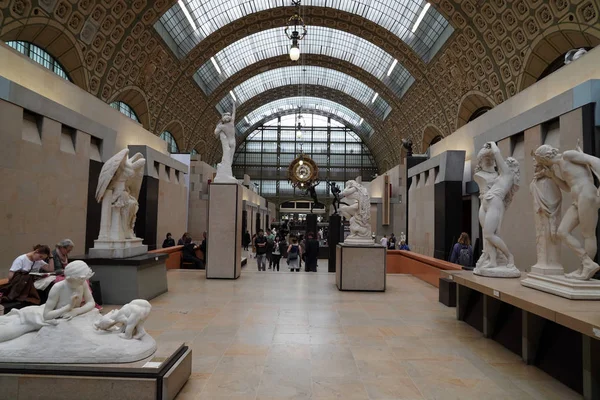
(309, 75)
(189, 22)
(305, 104)
(320, 40)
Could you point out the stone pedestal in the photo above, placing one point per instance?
(118, 248)
(562, 286)
(335, 235)
(127, 279)
(360, 267)
(223, 258)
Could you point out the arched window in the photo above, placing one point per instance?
(193, 152)
(39, 56)
(168, 137)
(478, 113)
(125, 109)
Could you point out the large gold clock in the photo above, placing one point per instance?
(303, 172)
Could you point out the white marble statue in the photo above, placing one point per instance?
(131, 317)
(226, 133)
(496, 260)
(358, 211)
(118, 190)
(574, 55)
(547, 203)
(577, 171)
(62, 330)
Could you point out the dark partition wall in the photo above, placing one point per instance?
(145, 225)
(92, 223)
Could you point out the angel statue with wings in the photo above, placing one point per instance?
(118, 189)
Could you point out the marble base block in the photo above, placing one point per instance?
(562, 286)
(118, 248)
(361, 267)
(223, 256)
(498, 272)
(127, 279)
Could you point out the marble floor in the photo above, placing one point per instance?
(275, 336)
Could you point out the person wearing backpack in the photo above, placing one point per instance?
(462, 253)
(294, 252)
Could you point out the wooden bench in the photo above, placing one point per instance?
(426, 268)
(175, 259)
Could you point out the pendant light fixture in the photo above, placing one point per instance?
(295, 31)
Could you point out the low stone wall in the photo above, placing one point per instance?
(175, 254)
(426, 268)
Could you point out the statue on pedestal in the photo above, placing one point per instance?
(547, 203)
(64, 329)
(577, 170)
(225, 131)
(358, 212)
(118, 189)
(496, 260)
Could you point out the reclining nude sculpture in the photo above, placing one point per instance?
(497, 192)
(577, 171)
(358, 212)
(63, 329)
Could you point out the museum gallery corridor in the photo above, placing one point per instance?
(273, 336)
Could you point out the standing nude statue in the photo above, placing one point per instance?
(225, 131)
(485, 176)
(577, 170)
(497, 260)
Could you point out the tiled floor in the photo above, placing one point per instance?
(274, 336)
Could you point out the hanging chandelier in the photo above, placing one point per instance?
(295, 31)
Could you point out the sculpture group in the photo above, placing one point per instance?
(571, 172)
(69, 329)
(118, 190)
(357, 210)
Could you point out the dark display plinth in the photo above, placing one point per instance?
(447, 292)
(311, 224)
(335, 235)
(125, 279)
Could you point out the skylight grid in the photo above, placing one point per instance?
(397, 16)
(305, 104)
(309, 75)
(324, 41)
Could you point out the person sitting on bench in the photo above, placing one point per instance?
(189, 254)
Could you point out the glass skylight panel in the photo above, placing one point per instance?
(309, 75)
(306, 105)
(397, 16)
(324, 41)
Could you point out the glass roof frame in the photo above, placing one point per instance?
(309, 75)
(321, 40)
(189, 22)
(304, 104)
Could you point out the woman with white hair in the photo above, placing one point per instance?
(60, 254)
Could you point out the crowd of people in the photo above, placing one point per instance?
(269, 249)
(390, 243)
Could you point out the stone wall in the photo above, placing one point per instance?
(421, 222)
(44, 183)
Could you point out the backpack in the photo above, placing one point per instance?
(293, 254)
(464, 256)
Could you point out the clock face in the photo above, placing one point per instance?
(303, 172)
